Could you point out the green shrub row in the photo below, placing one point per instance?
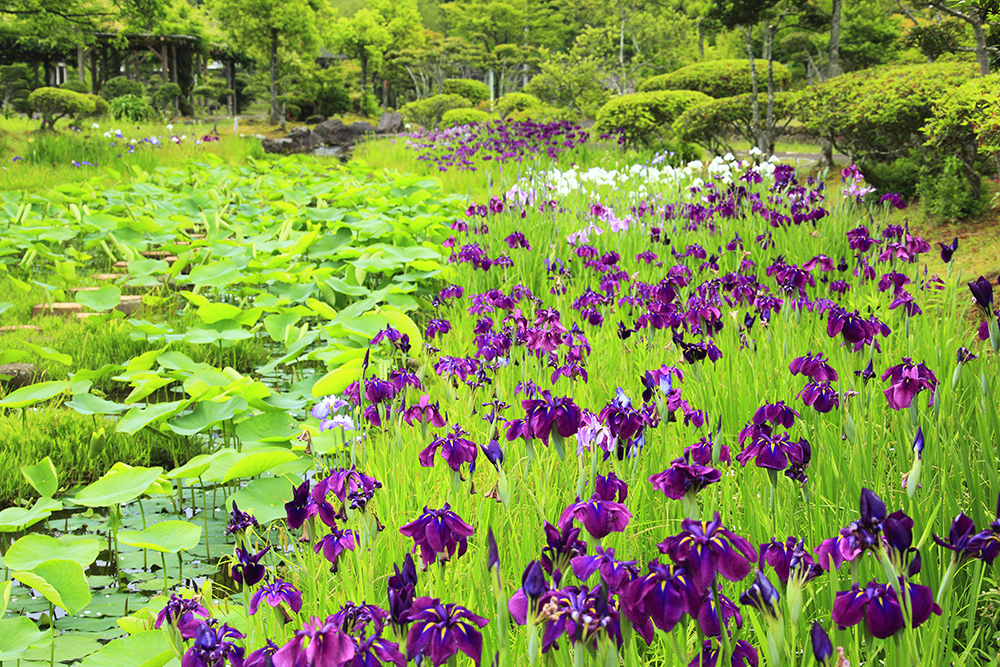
(718, 78)
(645, 118)
(713, 123)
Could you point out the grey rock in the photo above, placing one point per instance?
(299, 140)
(21, 375)
(390, 123)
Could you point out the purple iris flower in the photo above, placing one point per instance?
(774, 452)
(867, 373)
(547, 415)
(906, 381)
(789, 559)
(212, 647)
(437, 327)
(821, 396)
(582, 614)
(562, 545)
(982, 292)
(963, 541)
(707, 548)
(334, 543)
(708, 615)
(455, 448)
(424, 412)
(683, 477)
(262, 657)
(401, 591)
(275, 594)
(948, 249)
(300, 507)
(878, 605)
(744, 655)
(185, 615)
(400, 341)
(777, 414)
(439, 632)
(248, 569)
(614, 573)
(602, 514)
(345, 484)
(701, 451)
(813, 366)
(821, 645)
(864, 533)
(661, 596)
(762, 596)
(438, 533)
(239, 521)
(325, 643)
(834, 551)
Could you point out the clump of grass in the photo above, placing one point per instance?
(78, 450)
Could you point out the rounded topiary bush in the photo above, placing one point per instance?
(543, 114)
(714, 122)
(120, 85)
(470, 89)
(879, 113)
(427, 113)
(718, 78)
(512, 102)
(644, 118)
(456, 117)
(55, 103)
(76, 86)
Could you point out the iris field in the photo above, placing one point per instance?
(631, 411)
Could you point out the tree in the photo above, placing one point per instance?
(86, 14)
(977, 13)
(365, 38)
(271, 31)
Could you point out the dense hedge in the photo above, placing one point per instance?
(512, 102)
(454, 117)
(470, 89)
(427, 113)
(644, 118)
(878, 114)
(713, 123)
(718, 78)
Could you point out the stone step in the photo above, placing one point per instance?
(11, 328)
(59, 308)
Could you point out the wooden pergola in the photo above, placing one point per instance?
(114, 55)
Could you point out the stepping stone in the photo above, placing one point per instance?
(59, 308)
(84, 289)
(130, 303)
(170, 259)
(21, 375)
(155, 254)
(84, 316)
(108, 276)
(121, 265)
(10, 328)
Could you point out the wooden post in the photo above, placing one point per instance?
(165, 74)
(81, 63)
(93, 70)
(231, 84)
(104, 67)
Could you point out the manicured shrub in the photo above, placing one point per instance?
(713, 123)
(967, 121)
(718, 78)
(644, 118)
(333, 98)
(292, 111)
(543, 114)
(76, 86)
(165, 95)
(131, 108)
(900, 176)
(470, 89)
(55, 103)
(120, 85)
(427, 113)
(101, 107)
(512, 102)
(878, 114)
(455, 117)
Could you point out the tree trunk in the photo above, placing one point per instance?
(834, 69)
(621, 51)
(363, 59)
(275, 108)
(81, 64)
(982, 51)
(754, 102)
(769, 54)
(701, 38)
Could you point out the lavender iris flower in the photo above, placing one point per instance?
(276, 594)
